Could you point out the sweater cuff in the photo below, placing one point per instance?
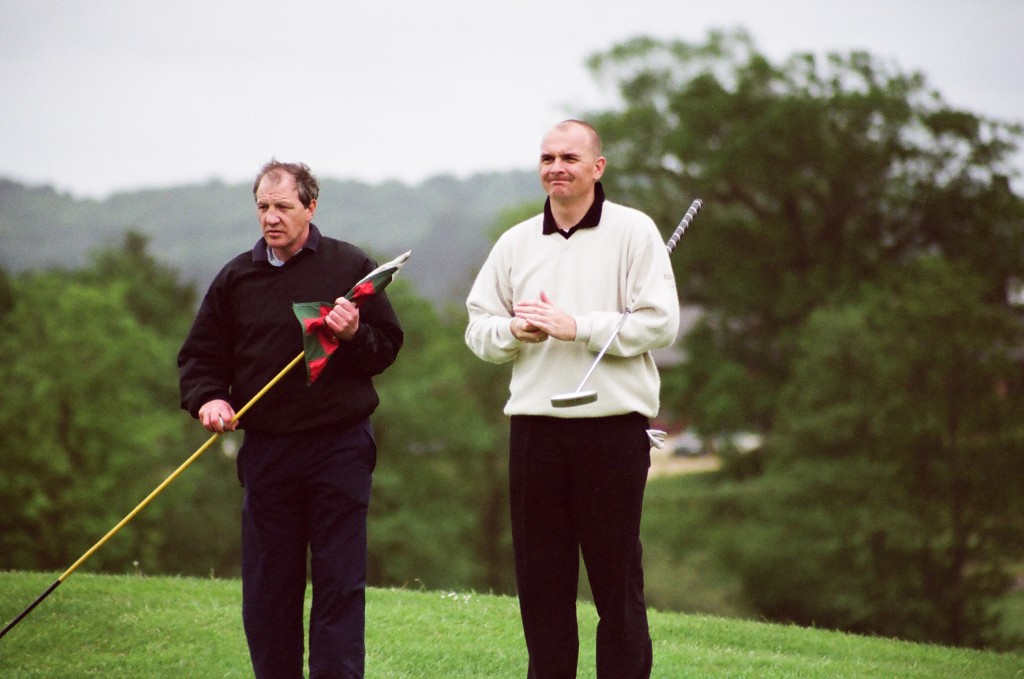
(506, 339)
(584, 329)
(214, 394)
(360, 339)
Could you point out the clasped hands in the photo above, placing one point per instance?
(536, 320)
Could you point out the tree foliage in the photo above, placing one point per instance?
(817, 174)
(893, 508)
(439, 517)
(89, 424)
(852, 263)
(438, 479)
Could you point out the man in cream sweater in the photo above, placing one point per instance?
(548, 297)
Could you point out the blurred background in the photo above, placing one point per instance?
(844, 401)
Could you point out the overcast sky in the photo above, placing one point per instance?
(108, 95)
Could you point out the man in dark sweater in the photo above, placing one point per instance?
(308, 453)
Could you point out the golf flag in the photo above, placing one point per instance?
(319, 340)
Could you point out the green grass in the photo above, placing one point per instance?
(134, 626)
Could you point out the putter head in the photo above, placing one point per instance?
(573, 398)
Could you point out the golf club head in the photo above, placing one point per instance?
(574, 398)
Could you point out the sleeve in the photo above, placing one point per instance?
(489, 332)
(653, 303)
(205, 367)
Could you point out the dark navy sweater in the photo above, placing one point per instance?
(245, 332)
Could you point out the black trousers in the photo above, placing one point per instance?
(577, 485)
(309, 490)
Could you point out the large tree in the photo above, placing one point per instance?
(892, 503)
(817, 174)
(852, 261)
(89, 422)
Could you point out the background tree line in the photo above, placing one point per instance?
(856, 266)
(438, 218)
(91, 425)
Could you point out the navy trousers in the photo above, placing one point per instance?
(577, 485)
(307, 491)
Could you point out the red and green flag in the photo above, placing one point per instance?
(319, 340)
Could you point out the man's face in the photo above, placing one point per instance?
(283, 218)
(569, 164)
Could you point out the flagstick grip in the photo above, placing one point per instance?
(28, 610)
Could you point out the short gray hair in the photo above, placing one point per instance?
(306, 184)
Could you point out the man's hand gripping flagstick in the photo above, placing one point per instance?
(320, 343)
(319, 340)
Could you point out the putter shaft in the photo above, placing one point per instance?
(566, 400)
(600, 354)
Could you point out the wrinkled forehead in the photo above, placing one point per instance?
(277, 181)
(569, 140)
(277, 186)
(277, 177)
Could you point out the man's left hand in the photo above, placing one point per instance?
(343, 319)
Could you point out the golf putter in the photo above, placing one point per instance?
(580, 397)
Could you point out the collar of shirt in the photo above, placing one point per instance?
(589, 221)
(261, 251)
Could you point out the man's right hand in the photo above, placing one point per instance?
(218, 416)
(524, 332)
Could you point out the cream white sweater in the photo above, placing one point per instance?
(594, 275)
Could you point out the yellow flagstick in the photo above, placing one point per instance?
(149, 498)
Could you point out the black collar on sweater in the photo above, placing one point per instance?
(589, 221)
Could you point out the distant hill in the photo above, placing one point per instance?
(197, 228)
